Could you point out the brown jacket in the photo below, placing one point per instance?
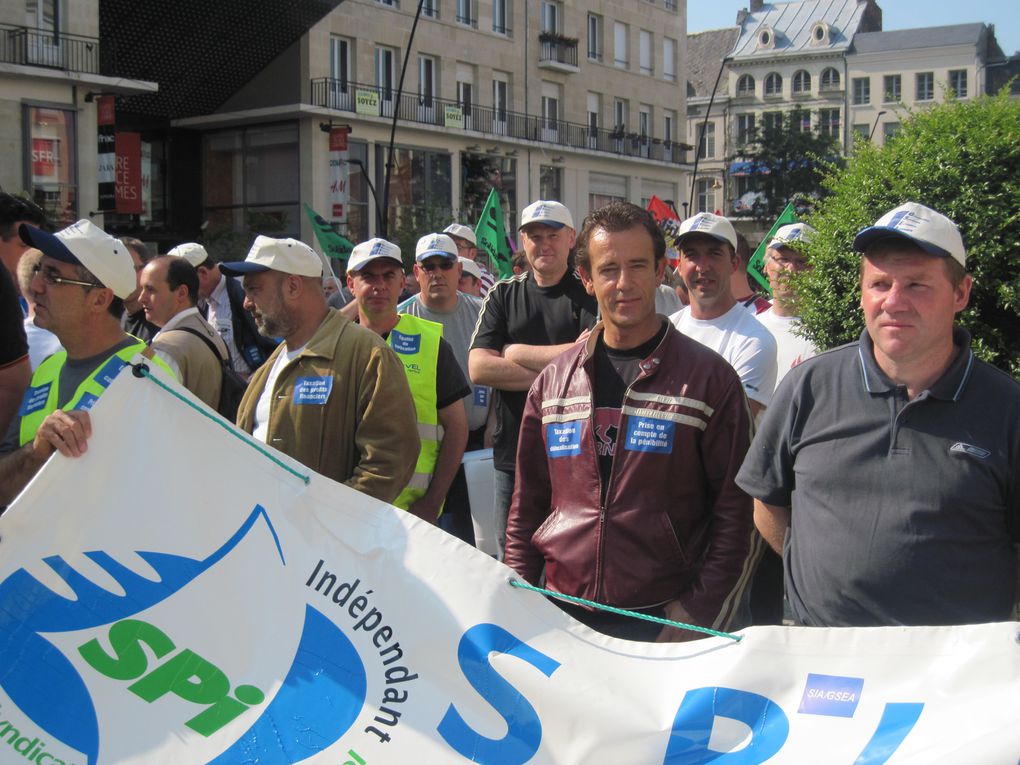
(365, 434)
(200, 371)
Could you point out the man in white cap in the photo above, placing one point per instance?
(439, 300)
(784, 258)
(375, 276)
(467, 248)
(332, 395)
(78, 290)
(887, 470)
(526, 322)
(221, 303)
(708, 256)
(470, 282)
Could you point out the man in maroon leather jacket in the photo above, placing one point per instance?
(628, 451)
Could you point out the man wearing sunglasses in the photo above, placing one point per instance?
(78, 290)
(375, 276)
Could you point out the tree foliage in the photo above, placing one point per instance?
(961, 158)
(788, 163)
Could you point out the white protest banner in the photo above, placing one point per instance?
(175, 596)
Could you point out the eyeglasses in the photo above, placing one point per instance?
(443, 264)
(52, 277)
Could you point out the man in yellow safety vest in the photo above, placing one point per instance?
(375, 277)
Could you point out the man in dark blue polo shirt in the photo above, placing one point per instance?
(887, 471)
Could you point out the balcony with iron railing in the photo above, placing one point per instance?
(54, 50)
(371, 100)
(557, 52)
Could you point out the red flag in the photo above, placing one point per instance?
(661, 211)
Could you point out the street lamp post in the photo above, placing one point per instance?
(874, 125)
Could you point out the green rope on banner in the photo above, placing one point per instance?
(623, 612)
(140, 370)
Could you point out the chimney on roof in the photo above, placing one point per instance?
(757, 5)
(871, 19)
(742, 15)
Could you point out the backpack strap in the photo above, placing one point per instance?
(209, 343)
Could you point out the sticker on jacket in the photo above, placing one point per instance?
(405, 344)
(481, 395)
(563, 439)
(313, 390)
(110, 370)
(86, 402)
(35, 399)
(645, 434)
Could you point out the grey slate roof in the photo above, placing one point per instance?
(792, 23)
(928, 37)
(705, 52)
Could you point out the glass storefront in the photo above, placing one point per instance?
(419, 194)
(51, 162)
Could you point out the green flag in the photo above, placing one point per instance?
(491, 236)
(334, 245)
(756, 266)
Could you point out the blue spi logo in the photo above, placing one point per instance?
(323, 691)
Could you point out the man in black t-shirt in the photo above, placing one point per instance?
(14, 368)
(526, 322)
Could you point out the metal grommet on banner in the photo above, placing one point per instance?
(139, 370)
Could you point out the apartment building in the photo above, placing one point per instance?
(53, 64)
(894, 73)
(831, 59)
(576, 101)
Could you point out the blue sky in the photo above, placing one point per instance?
(896, 14)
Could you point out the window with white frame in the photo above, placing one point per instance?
(550, 106)
(861, 87)
(385, 66)
(501, 17)
(430, 8)
(465, 13)
(800, 121)
(620, 110)
(620, 55)
(594, 110)
(552, 13)
(706, 140)
(500, 96)
(428, 86)
(668, 59)
(802, 81)
(774, 84)
(645, 51)
(745, 85)
(771, 121)
(892, 88)
(745, 129)
(668, 125)
(594, 37)
(828, 122)
(958, 82)
(925, 82)
(339, 72)
(706, 195)
(830, 79)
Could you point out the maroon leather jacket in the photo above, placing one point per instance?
(674, 524)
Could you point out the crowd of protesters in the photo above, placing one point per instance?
(665, 441)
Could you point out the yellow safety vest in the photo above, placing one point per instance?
(416, 343)
(41, 397)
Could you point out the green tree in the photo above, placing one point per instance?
(961, 158)
(788, 163)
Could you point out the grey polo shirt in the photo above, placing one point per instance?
(903, 512)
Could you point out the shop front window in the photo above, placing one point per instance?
(51, 162)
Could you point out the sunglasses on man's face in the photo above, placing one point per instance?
(444, 265)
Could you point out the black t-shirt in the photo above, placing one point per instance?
(615, 371)
(13, 345)
(135, 324)
(519, 311)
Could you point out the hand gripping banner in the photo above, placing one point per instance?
(178, 596)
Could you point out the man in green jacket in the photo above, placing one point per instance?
(332, 395)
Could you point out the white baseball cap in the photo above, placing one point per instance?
(431, 245)
(85, 244)
(710, 224)
(288, 256)
(471, 268)
(793, 235)
(931, 231)
(548, 214)
(461, 231)
(192, 252)
(373, 249)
